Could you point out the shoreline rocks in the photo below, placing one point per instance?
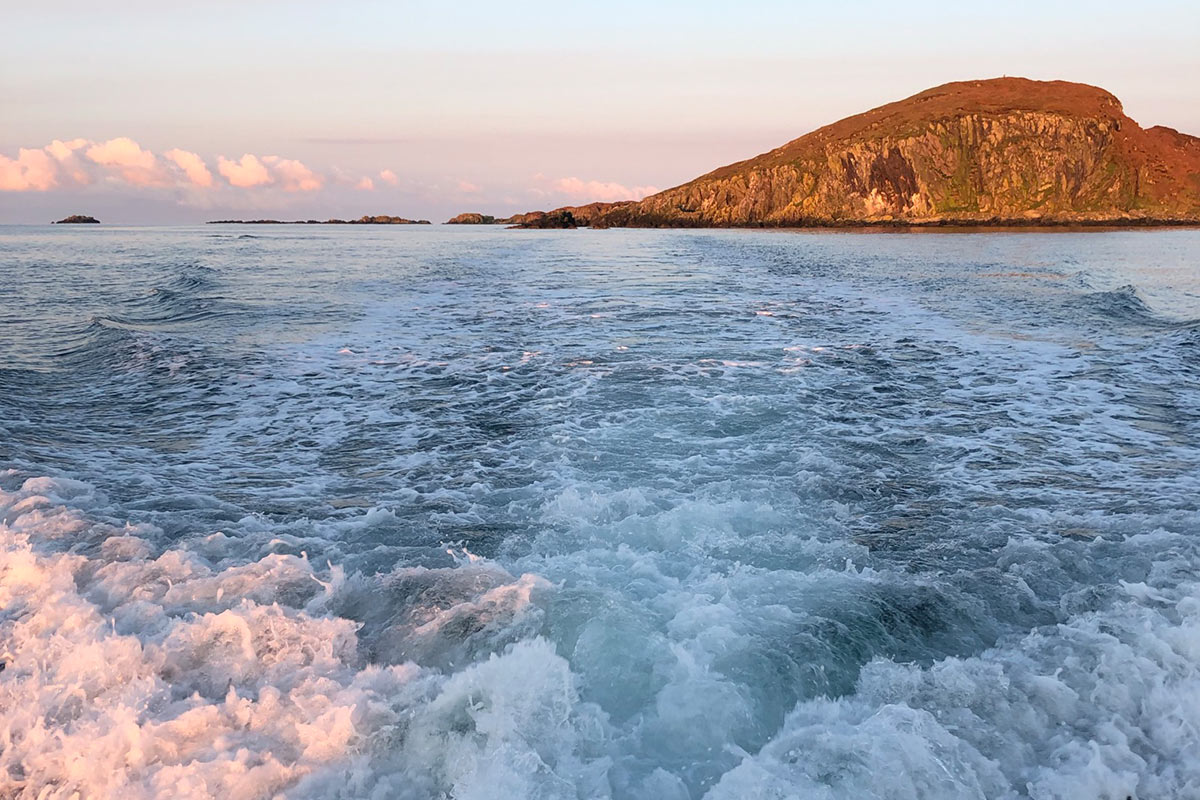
(363, 220)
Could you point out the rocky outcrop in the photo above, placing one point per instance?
(565, 217)
(472, 218)
(77, 219)
(559, 218)
(379, 220)
(1004, 151)
(593, 213)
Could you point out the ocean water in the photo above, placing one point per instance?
(476, 513)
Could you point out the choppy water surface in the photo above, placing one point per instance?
(474, 513)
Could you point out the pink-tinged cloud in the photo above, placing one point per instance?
(247, 172)
(125, 156)
(292, 175)
(193, 166)
(123, 162)
(389, 177)
(467, 187)
(600, 190)
(31, 170)
(72, 166)
(65, 150)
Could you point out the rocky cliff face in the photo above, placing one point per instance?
(1008, 150)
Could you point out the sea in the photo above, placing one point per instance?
(465, 512)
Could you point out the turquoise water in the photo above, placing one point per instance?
(480, 513)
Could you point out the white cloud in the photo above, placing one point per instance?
(193, 166)
(73, 166)
(64, 150)
(292, 175)
(64, 164)
(592, 191)
(249, 171)
(127, 158)
(32, 170)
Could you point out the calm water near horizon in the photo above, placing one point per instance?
(420, 512)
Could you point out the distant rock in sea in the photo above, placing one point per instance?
(78, 219)
(471, 218)
(1006, 151)
(363, 220)
(560, 218)
(565, 217)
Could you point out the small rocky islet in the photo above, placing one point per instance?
(77, 219)
(583, 216)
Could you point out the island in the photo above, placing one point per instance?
(998, 152)
(77, 219)
(565, 217)
(471, 218)
(363, 220)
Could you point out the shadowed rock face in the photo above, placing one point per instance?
(1008, 150)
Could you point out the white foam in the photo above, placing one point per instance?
(133, 676)
(1102, 706)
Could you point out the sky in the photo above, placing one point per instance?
(144, 111)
